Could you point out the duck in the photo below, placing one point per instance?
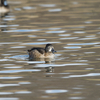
(39, 52)
(4, 7)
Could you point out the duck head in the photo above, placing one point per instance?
(49, 48)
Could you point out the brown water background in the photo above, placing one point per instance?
(73, 27)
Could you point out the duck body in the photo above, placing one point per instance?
(38, 52)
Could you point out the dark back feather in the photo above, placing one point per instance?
(40, 50)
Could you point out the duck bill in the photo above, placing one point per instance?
(53, 51)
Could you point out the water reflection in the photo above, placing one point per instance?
(65, 35)
(31, 35)
(19, 57)
(88, 52)
(49, 69)
(23, 92)
(8, 19)
(18, 71)
(56, 91)
(5, 60)
(7, 98)
(76, 98)
(19, 47)
(28, 8)
(59, 65)
(45, 62)
(56, 31)
(86, 75)
(14, 67)
(54, 28)
(8, 25)
(69, 38)
(11, 77)
(41, 39)
(88, 22)
(75, 47)
(17, 9)
(54, 10)
(23, 30)
(47, 5)
(24, 83)
(82, 43)
(79, 32)
(35, 62)
(87, 38)
(9, 42)
(75, 3)
(5, 85)
(39, 43)
(5, 93)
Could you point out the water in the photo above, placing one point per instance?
(73, 27)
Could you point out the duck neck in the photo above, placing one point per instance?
(4, 3)
(46, 51)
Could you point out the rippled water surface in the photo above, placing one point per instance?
(73, 27)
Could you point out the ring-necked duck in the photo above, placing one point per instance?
(38, 52)
(4, 7)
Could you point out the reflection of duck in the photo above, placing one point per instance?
(4, 7)
(38, 52)
(49, 69)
